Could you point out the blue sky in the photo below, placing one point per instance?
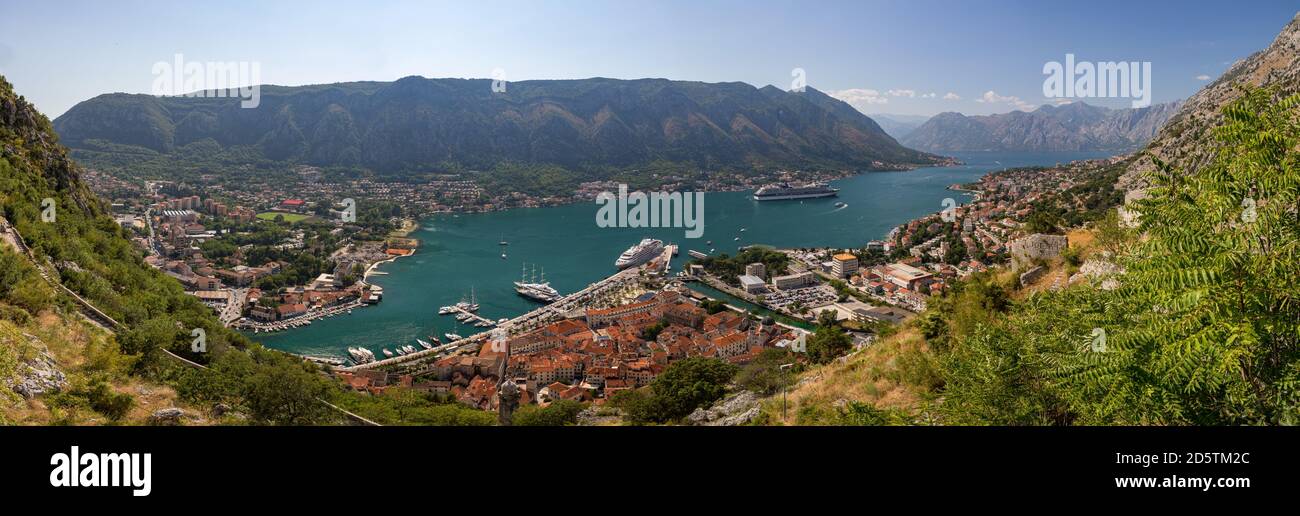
(60, 53)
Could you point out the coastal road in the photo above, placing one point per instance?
(231, 312)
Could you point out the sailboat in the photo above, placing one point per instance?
(471, 305)
(535, 289)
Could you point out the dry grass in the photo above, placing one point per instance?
(873, 376)
(79, 350)
(1081, 238)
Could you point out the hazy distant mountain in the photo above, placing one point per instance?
(1070, 127)
(416, 123)
(898, 126)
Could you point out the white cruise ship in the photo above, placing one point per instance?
(784, 191)
(638, 254)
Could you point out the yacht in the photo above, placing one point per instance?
(784, 191)
(640, 253)
(424, 344)
(387, 353)
(471, 305)
(361, 355)
(452, 337)
(539, 290)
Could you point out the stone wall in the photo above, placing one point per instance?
(1035, 247)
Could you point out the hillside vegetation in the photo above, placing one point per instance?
(118, 375)
(572, 128)
(1200, 326)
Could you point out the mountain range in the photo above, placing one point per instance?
(417, 123)
(898, 126)
(1076, 126)
(1182, 140)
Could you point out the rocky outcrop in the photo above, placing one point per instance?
(1104, 274)
(1182, 140)
(600, 416)
(735, 410)
(167, 417)
(38, 375)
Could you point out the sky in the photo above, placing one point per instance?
(916, 57)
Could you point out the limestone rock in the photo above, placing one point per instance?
(734, 410)
(38, 375)
(166, 417)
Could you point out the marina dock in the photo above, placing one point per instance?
(476, 318)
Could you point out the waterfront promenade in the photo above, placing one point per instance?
(525, 322)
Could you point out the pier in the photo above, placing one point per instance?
(472, 316)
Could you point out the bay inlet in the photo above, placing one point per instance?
(460, 253)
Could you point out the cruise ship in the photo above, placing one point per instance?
(539, 290)
(785, 191)
(645, 251)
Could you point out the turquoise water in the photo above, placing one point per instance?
(460, 252)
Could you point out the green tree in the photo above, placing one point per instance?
(828, 343)
(558, 413)
(286, 394)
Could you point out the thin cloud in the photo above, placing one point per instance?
(991, 97)
(951, 96)
(1202, 77)
(860, 98)
(902, 93)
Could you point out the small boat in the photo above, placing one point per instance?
(462, 317)
(502, 320)
(742, 230)
(737, 238)
(446, 310)
(840, 204)
(503, 256)
(434, 339)
(424, 344)
(409, 348)
(708, 242)
(388, 353)
(452, 337)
